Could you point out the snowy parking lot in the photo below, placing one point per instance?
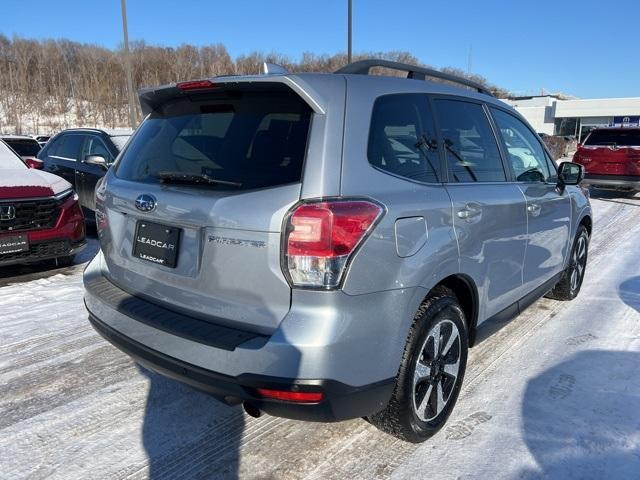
(555, 393)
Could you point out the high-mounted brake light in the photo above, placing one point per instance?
(289, 396)
(196, 85)
(321, 237)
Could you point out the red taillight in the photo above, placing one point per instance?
(322, 235)
(196, 85)
(34, 163)
(288, 396)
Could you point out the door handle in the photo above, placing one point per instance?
(534, 209)
(469, 212)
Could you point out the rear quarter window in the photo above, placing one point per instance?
(255, 139)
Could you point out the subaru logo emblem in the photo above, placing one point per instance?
(7, 212)
(145, 202)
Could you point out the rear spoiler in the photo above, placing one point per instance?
(153, 97)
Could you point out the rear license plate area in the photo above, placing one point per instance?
(156, 243)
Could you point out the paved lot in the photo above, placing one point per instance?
(553, 393)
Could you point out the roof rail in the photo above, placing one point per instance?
(362, 67)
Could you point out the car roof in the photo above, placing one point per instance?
(112, 132)
(309, 84)
(615, 129)
(17, 137)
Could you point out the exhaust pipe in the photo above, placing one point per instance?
(251, 410)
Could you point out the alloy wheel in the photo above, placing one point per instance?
(579, 262)
(436, 371)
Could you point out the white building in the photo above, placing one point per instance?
(555, 115)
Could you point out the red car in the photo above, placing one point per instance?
(611, 158)
(40, 217)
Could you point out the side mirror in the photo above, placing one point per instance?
(570, 173)
(98, 160)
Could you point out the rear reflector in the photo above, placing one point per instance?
(196, 85)
(322, 235)
(288, 396)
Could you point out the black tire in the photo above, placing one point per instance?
(568, 287)
(65, 261)
(402, 415)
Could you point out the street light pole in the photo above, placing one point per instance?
(349, 28)
(127, 66)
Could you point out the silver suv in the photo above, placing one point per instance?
(326, 246)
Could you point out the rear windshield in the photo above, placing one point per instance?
(9, 160)
(630, 138)
(253, 139)
(24, 147)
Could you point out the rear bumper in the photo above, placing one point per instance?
(347, 347)
(628, 182)
(340, 401)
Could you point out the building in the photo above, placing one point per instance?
(557, 115)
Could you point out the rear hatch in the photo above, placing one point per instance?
(611, 152)
(191, 215)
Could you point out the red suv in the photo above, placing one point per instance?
(611, 158)
(40, 217)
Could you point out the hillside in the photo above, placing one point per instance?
(53, 84)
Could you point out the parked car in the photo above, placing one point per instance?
(42, 139)
(611, 158)
(40, 217)
(82, 156)
(325, 246)
(26, 147)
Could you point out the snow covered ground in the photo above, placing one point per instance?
(554, 393)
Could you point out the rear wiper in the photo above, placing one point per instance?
(193, 179)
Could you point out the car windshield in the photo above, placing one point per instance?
(238, 140)
(8, 159)
(24, 146)
(619, 138)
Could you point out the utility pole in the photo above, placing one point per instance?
(349, 29)
(127, 66)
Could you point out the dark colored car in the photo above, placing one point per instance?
(611, 157)
(40, 217)
(82, 156)
(27, 147)
(43, 139)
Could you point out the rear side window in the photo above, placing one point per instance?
(611, 138)
(68, 147)
(24, 147)
(253, 139)
(402, 138)
(470, 145)
(526, 155)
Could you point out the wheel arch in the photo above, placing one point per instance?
(465, 289)
(587, 222)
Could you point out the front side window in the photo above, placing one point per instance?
(95, 146)
(402, 138)
(470, 145)
(525, 152)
